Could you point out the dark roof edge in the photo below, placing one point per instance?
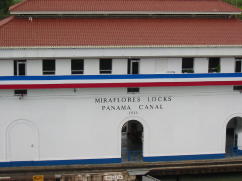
(123, 13)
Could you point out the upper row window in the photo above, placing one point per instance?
(238, 65)
(105, 66)
(214, 65)
(188, 65)
(49, 67)
(19, 67)
(77, 66)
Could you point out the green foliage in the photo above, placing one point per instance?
(237, 3)
(4, 5)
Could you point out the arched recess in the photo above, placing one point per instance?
(22, 141)
(132, 141)
(234, 137)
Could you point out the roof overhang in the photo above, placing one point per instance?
(120, 13)
(119, 52)
(122, 46)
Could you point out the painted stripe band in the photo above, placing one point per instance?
(109, 85)
(129, 76)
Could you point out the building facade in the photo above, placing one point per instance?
(97, 82)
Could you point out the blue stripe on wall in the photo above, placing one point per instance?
(109, 160)
(184, 157)
(137, 76)
(59, 162)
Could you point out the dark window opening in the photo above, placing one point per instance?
(20, 92)
(133, 90)
(187, 65)
(238, 66)
(233, 129)
(105, 66)
(214, 65)
(48, 67)
(77, 66)
(133, 66)
(132, 141)
(238, 88)
(19, 67)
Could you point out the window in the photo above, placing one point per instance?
(238, 65)
(187, 65)
(77, 66)
(133, 90)
(237, 88)
(20, 92)
(133, 66)
(19, 67)
(105, 66)
(48, 67)
(214, 65)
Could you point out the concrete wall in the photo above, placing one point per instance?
(119, 66)
(174, 65)
(227, 65)
(161, 66)
(63, 67)
(6, 67)
(68, 124)
(200, 65)
(91, 66)
(34, 67)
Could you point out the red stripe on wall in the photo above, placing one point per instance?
(106, 85)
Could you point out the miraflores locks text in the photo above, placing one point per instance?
(130, 103)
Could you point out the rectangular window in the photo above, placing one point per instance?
(49, 67)
(237, 88)
(133, 90)
(214, 65)
(238, 65)
(19, 67)
(133, 66)
(77, 66)
(187, 65)
(20, 92)
(105, 66)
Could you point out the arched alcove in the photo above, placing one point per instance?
(22, 141)
(234, 137)
(132, 141)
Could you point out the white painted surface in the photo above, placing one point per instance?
(22, 141)
(91, 66)
(72, 126)
(34, 67)
(147, 65)
(227, 64)
(6, 68)
(161, 66)
(121, 52)
(119, 66)
(63, 67)
(200, 65)
(174, 65)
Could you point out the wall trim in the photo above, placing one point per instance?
(110, 160)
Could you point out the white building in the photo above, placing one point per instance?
(96, 82)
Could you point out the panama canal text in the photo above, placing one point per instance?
(130, 103)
